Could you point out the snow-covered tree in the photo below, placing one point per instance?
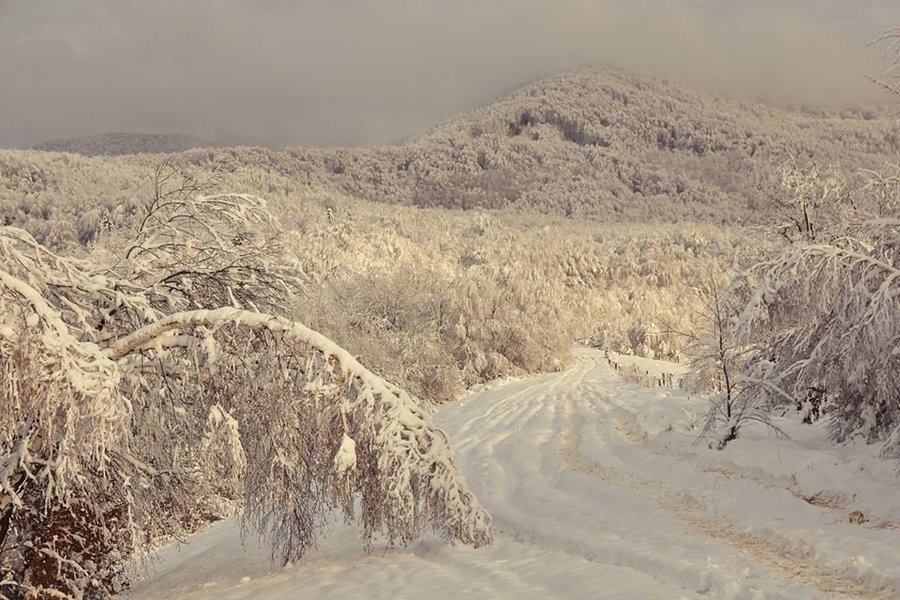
(810, 200)
(823, 313)
(823, 317)
(719, 364)
(142, 391)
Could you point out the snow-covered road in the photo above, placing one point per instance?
(597, 491)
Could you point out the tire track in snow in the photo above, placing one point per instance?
(791, 560)
(501, 415)
(487, 451)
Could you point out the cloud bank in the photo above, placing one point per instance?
(352, 72)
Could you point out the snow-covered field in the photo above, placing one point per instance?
(598, 490)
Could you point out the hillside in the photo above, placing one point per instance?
(596, 142)
(596, 146)
(115, 144)
(245, 332)
(617, 154)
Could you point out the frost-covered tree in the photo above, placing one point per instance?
(719, 364)
(810, 199)
(142, 391)
(825, 319)
(823, 314)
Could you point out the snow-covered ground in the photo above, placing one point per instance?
(598, 490)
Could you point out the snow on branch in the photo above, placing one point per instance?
(890, 39)
(140, 397)
(85, 299)
(324, 424)
(62, 417)
(209, 251)
(824, 317)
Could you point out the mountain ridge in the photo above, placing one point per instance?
(598, 142)
(595, 142)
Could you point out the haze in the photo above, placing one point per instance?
(347, 72)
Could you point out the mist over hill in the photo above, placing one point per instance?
(115, 144)
(597, 142)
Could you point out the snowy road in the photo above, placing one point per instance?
(596, 491)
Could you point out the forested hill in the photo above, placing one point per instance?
(599, 143)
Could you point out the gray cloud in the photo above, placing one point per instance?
(342, 72)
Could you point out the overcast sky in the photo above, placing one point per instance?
(349, 72)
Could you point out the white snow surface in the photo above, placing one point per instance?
(597, 490)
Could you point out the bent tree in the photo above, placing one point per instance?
(144, 393)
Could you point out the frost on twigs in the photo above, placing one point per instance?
(222, 451)
(209, 251)
(889, 41)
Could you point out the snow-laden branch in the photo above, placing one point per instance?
(92, 372)
(85, 299)
(825, 319)
(151, 410)
(409, 475)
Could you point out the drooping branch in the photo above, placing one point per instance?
(145, 425)
(890, 40)
(86, 301)
(824, 317)
(12, 476)
(406, 473)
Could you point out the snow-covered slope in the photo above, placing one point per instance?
(604, 142)
(598, 491)
(596, 142)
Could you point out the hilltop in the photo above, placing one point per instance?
(597, 142)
